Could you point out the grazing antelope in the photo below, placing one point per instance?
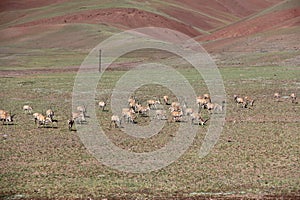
(211, 107)
(152, 103)
(160, 114)
(249, 100)
(5, 116)
(175, 106)
(102, 105)
(82, 109)
(196, 117)
(143, 110)
(166, 99)
(43, 120)
(240, 100)
(293, 97)
(27, 109)
(201, 101)
(176, 116)
(128, 115)
(70, 124)
(50, 114)
(276, 96)
(207, 97)
(116, 120)
(78, 117)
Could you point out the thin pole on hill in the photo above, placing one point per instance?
(100, 60)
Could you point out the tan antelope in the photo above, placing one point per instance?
(176, 116)
(197, 119)
(102, 105)
(153, 103)
(276, 96)
(212, 107)
(27, 109)
(240, 100)
(143, 110)
(82, 109)
(128, 115)
(293, 97)
(201, 101)
(6, 116)
(166, 99)
(249, 100)
(115, 120)
(50, 114)
(78, 117)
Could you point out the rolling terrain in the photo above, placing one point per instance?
(255, 46)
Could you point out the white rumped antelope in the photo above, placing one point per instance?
(176, 116)
(44, 120)
(211, 107)
(166, 99)
(70, 123)
(6, 116)
(197, 119)
(143, 110)
(207, 97)
(153, 103)
(82, 109)
(276, 96)
(115, 120)
(128, 115)
(201, 101)
(50, 114)
(78, 117)
(240, 100)
(293, 97)
(27, 109)
(249, 100)
(102, 105)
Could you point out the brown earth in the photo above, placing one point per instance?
(9, 5)
(124, 18)
(274, 20)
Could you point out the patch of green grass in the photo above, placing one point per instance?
(257, 152)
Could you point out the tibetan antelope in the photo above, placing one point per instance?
(240, 100)
(153, 103)
(50, 114)
(176, 116)
(166, 99)
(276, 96)
(115, 120)
(197, 119)
(249, 100)
(27, 109)
(82, 109)
(102, 105)
(78, 117)
(5, 116)
(293, 97)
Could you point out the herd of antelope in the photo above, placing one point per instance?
(175, 113)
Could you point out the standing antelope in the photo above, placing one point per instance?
(207, 97)
(201, 102)
(143, 110)
(240, 100)
(82, 109)
(153, 103)
(78, 117)
(211, 107)
(166, 99)
(176, 116)
(276, 96)
(116, 120)
(27, 109)
(5, 116)
(249, 100)
(128, 115)
(50, 114)
(102, 105)
(293, 97)
(199, 120)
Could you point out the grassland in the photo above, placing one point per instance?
(257, 153)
